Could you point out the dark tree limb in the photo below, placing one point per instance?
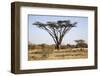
(56, 30)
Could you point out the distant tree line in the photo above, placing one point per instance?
(79, 44)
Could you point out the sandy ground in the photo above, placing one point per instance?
(45, 54)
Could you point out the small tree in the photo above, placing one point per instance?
(81, 44)
(56, 30)
(69, 46)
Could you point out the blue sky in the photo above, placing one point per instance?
(39, 36)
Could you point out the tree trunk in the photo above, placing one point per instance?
(58, 46)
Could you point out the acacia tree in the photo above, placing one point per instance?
(81, 44)
(57, 30)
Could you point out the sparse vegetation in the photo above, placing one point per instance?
(68, 51)
(57, 30)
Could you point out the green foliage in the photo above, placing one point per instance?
(81, 44)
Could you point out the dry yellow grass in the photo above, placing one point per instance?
(50, 54)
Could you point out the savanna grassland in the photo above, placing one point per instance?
(48, 52)
(57, 30)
